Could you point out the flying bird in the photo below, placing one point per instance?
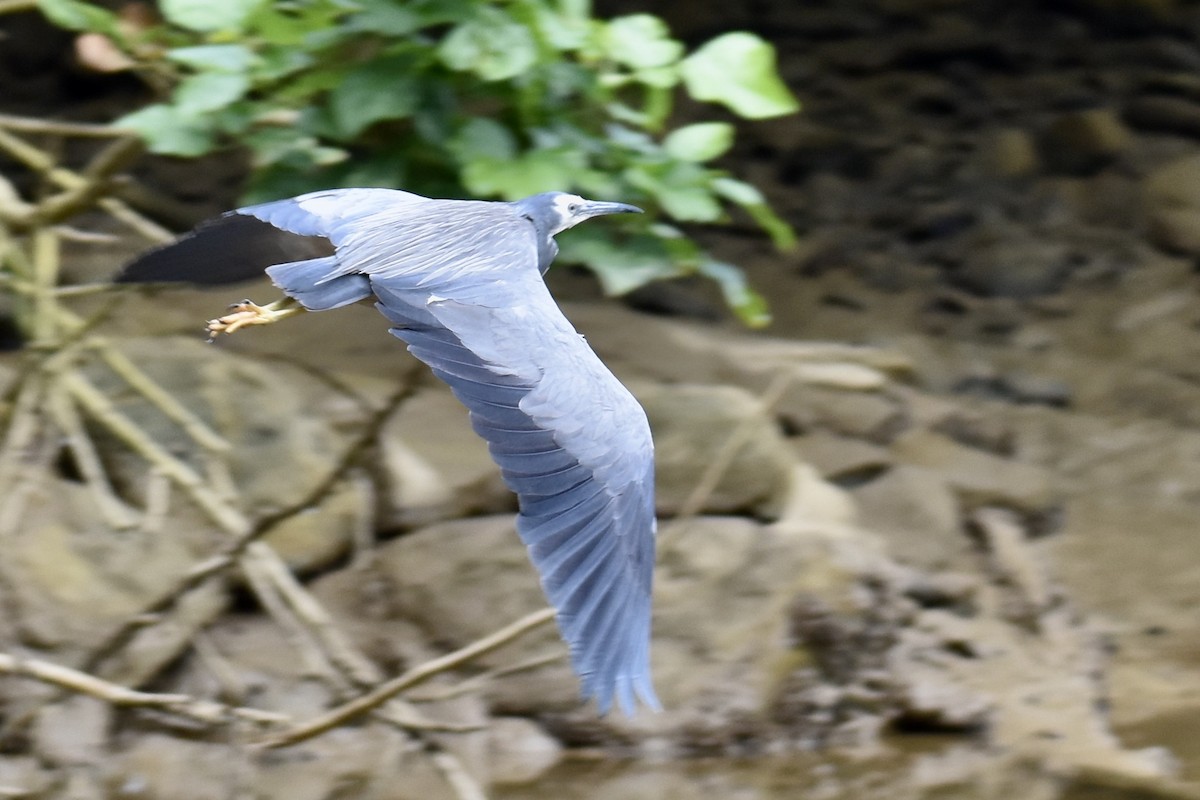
(461, 283)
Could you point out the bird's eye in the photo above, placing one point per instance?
(573, 208)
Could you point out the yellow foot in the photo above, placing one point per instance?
(248, 313)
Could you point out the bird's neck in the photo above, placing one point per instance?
(547, 250)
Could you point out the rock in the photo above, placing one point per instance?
(917, 513)
(842, 459)
(813, 500)
(72, 578)
(1173, 203)
(1148, 312)
(661, 350)
(373, 761)
(444, 586)
(1175, 184)
(23, 776)
(434, 466)
(273, 416)
(520, 751)
(73, 731)
(1001, 261)
(693, 427)
(1176, 230)
(979, 478)
(1162, 114)
(873, 416)
(1009, 153)
(1083, 141)
(260, 666)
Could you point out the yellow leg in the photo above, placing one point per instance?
(248, 313)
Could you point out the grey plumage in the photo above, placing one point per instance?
(461, 283)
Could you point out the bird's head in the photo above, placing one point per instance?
(554, 212)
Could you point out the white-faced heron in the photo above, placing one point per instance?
(461, 283)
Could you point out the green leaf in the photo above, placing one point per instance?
(563, 28)
(209, 15)
(681, 189)
(492, 45)
(168, 132)
(702, 141)
(78, 16)
(208, 91)
(536, 171)
(620, 266)
(641, 41)
(215, 57)
(482, 139)
(387, 18)
(751, 199)
(382, 89)
(738, 70)
(749, 305)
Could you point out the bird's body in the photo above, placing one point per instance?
(461, 283)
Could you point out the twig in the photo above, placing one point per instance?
(729, 449)
(418, 674)
(204, 711)
(14, 122)
(233, 549)
(93, 184)
(316, 621)
(42, 162)
(87, 459)
(477, 682)
(93, 401)
(174, 410)
(14, 6)
(452, 770)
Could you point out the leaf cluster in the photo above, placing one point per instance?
(495, 98)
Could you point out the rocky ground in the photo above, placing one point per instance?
(952, 491)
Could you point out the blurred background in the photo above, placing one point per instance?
(912, 314)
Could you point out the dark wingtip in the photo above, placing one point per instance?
(229, 249)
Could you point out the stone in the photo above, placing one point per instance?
(812, 499)
(842, 459)
(1176, 230)
(23, 776)
(273, 416)
(1082, 141)
(73, 731)
(1006, 262)
(916, 512)
(1009, 153)
(1162, 114)
(434, 466)
(1174, 184)
(873, 416)
(519, 751)
(693, 427)
(368, 761)
(979, 478)
(72, 577)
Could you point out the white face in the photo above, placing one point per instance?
(566, 206)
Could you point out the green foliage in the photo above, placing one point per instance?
(500, 99)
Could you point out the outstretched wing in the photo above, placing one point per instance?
(459, 281)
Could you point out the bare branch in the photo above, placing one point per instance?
(418, 674)
(207, 712)
(52, 127)
(233, 549)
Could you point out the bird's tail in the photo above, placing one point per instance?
(309, 283)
